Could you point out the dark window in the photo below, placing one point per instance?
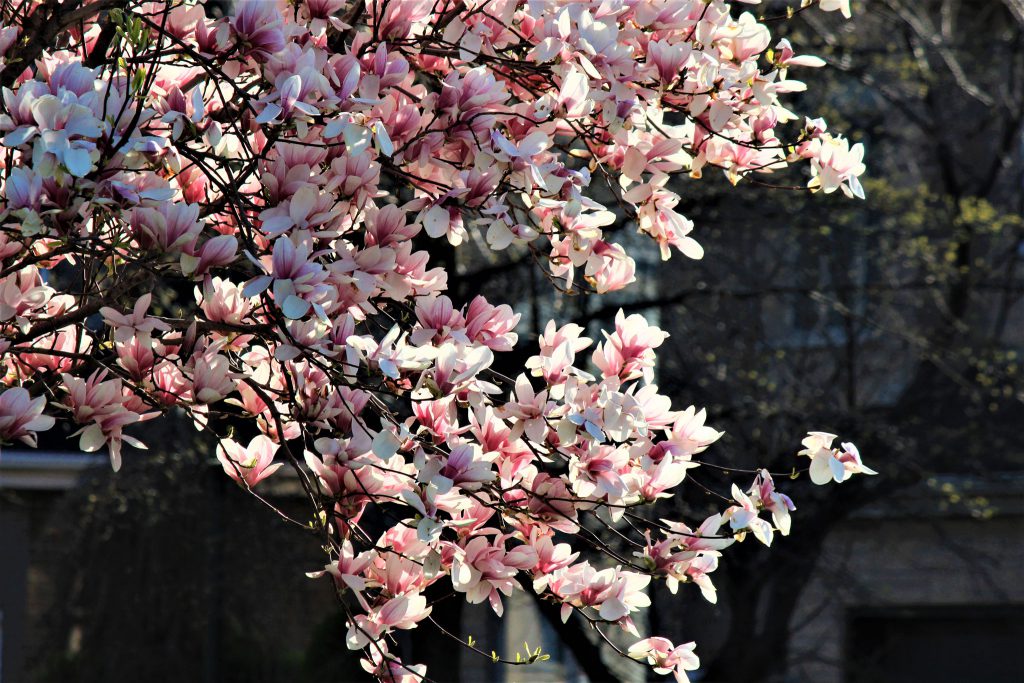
(965, 644)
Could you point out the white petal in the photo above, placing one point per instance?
(436, 221)
(294, 307)
(821, 472)
(78, 162)
(719, 115)
(385, 445)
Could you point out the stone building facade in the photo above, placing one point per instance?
(929, 587)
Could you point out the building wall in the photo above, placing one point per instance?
(933, 560)
(13, 577)
(30, 483)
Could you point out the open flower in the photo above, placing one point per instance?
(258, 26)
(665, 657)
(831, 464)
(212, 378)
(483, 569)
(64, 134)
(763, 493)
(138, 323)
(837, 165)
(102, 407)
(249, 464)
(843, 6)
(400, 612)
(21, 416)
(743, 518)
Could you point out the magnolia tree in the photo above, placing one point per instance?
(274, 179)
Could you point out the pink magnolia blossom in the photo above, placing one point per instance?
(613, 592)
(138, 323)
(258, 27)
(400, 612)
(291, 165)
(248, 464)
(668, 59)
(136, 356)
(837, 165)
(21, 416)
(658, 219)
(688, 434)
(101, 407)
(628, 353)
(744, 517)
(212, 379)
(598, 473)
(785, 56)
(558, 349)
(223, 301)
(63, 135)
(831, 464)
(842, 6)
(483, 570)
(22, 292)
(348, 569)
(529, 410)
(665, 657)
(386, 667)
(763, 493)
(167, 227)
(467, 467)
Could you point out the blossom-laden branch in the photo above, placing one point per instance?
(277, 164)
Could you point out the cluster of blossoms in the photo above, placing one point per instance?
(275, 178)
